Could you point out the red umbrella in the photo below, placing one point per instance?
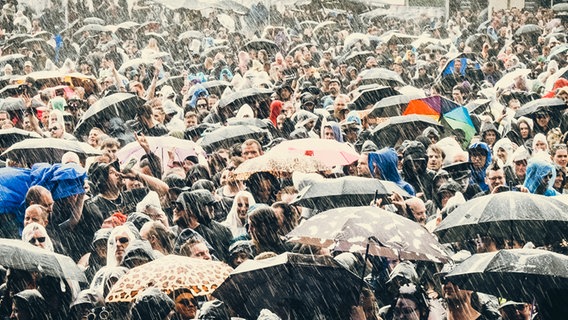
(330, 152)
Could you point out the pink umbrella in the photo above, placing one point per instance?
(160, 147)
(330, 152)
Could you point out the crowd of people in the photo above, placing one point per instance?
(184, 71)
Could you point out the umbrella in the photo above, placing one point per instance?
(227, 136)
(95, 28)
(13, 59)
(330, 152)
(394, 130)
(290, 283)
(12, 104)
(122, 105)
(477, 106)
(322, 26)
(248, 121)
(176, 82)
(559, 7)
(134, 63)
(217, 86)
(459, 119)
(510, 77)
(10, 136)
(398, 38)
(345, 192)
(191, 34)
(127, 25)
(261, 44)
(244, 96)
(298, 47)
(516, 274)
(160, 147)
(539, 104)
(433, 47)
(391, 106)
(556, 51)
(476, 41)
(170, 273)
(372, 95)
(381, 76)
(507, 215)
(386, 234)
(212, 51)
(434, 106)
(355, 37)
(18, 254)
(279, 164)
(357, 56)
(94, 20)
(47, 150)
(528, 29)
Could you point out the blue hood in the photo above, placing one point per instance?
(537, 169)
(478, 176)
(386, 160)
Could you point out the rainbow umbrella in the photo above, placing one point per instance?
(459, 118)
(434, 106)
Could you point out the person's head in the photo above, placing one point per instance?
(119, 239)
(239, 252)
(417, 210)
(459, 93)
(560, 179)
(250, 149)
(40, 195)
(196, 248)
(494, 177)
(478, 156)
(243, 200)
(435, 156)
(152, 304)
(525, 129)
(540, 143)
(453, 294)
(36, 234)
(185, 304)
(105, 177)
(363, 166)
(94, 137)
(263, 225)
(287, 216)
(410, 304)
(29, 305)
(56, 130)
(110, 146)
(36, 213)
(334, 86)
(512, 310)
(542, 118)
(560, 154)
(264, 187)
(159, 237)
(340, 109)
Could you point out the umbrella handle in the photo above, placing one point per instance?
(364, 269)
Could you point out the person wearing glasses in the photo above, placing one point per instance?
(542, 121)
(185, 305)
(36, 234)
(119, 239)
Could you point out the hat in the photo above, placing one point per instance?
(369, 146)
(414, 151)
(152, 304)
(510, 303)
(459, 170)
(166, 91)
(28, 63)
(98, 171)
(335, 80)
(521, 154)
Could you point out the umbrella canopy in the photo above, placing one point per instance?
(279, 164)
(355, 37)
(191, 34)
(261, 44)
(510, 77)
(160, 146)
(391, 106)
(225, 137)
(47, 150)
(330, 152)
(381, 76)
(394, 130)
(559, 7)
(95, 28)
(168, 274)
(134, 63)
(18, 254)
(516, 274)
(386, 233)
(345, 192)
(10, 136)
(398, 38)
(290, 284)
(15, 59)
(528, 29)
(539, 104)
(434, 106)
(357, 57)
(244, 96)
(478, 106)
(12, 104)
(122, 105)
(459, 120)
(94, 20)
(372, 95)
(507, 215)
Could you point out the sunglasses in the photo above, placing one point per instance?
(243, 205)
(123, 240)
(201, 105)
(53, 128)
(187, 302)
(38, 239)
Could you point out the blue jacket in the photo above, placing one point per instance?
(536, 170)
(478, 175)
(386, 160)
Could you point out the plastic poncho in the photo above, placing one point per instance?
(386, 160)
(536, 170)
(478, 175)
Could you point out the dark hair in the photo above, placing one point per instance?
(290, 216)
(264, 233)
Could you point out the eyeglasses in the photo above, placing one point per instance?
(520, 163)
(242, 205)
(38, 239)
(53, 129)
(123, 240)
(187, 303)
(201, 105)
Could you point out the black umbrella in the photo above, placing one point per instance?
(476, 41)
(244, 96)
(296, 285)
(381, 76)
(477, 106)
(248, 121)
(392, 106)
(345, 192)
(394, 130)
(528, 29)
(261, 44)
(225, 137)
(18, 254)
(48, 150)
(559, 7)
(94, 20)
(298, 47)
(122, 105)
(357, 57)
(15, 59)
(371, 95)
(507, 215)
(516, 274)
(92, 28)
(10, 136)
(553, 104)
(12, 104)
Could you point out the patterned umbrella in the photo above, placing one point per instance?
(279, 163)
(168, 274)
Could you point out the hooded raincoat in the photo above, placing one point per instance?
(386, 161)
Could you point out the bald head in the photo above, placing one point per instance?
(36, 213)
(40, 195)
(418, 209)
